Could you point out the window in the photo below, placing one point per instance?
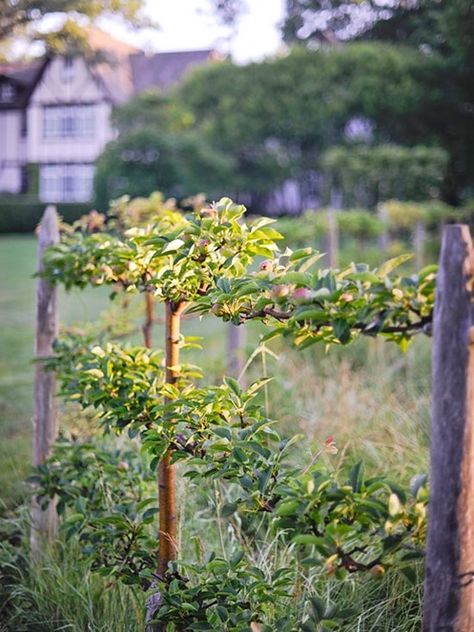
(24, 179)
(68, 121)
(7, 93)
(66, 183)
(68, 69)
(24, 123)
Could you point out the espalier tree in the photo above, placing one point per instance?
(210, 261)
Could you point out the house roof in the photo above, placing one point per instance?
(24, 77)
(112, 64)
(163, 70)
(121, 69)
(100, 40)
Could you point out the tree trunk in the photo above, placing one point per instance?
(168, 545)
(45, 416)
(449, 585)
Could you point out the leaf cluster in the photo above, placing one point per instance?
(330, 306)
(105, 496)
(176, 257)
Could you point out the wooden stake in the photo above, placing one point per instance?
(419, 238)
(235, 344)
(332, 238)
(384, 237)
(45, 416)
(449, 585)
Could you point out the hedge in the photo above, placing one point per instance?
(22, 216)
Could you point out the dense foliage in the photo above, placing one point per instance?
(336, 523)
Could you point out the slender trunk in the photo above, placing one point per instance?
(167, 475)
(149, 321)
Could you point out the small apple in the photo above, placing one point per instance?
(377, 571)
(301, 295)
(266, 266)
(280, 291)
(208, 211)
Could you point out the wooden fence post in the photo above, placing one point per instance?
(235, 349)
(449, 578)
(384, 237)
(333, 228)
(45, 416)
(419, 238)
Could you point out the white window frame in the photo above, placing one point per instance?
(67, 182)
(68, 121)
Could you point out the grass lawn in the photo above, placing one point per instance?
(17, 313)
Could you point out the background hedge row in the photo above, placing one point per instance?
(22, 216)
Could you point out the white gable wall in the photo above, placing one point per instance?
(12, 150)
(54, 91)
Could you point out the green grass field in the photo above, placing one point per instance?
(17, 312)
(373, 399)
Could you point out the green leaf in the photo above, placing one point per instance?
(228, 509)
(318, 606)
(287, 508)
(233, 385)
(391, 264)
(170, 247)
(409, 574)
(356, 476)
(342, 330)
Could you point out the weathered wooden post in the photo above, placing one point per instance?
(333, 228)
(45, 415)
(449, 579)
(384, 236)
(235, 349)
(332, 238)
(419, 238)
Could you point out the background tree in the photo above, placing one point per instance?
(17, 15)
(444, 29)
(277, 118)
(158, 149)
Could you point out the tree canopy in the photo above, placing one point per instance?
(17, 15)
